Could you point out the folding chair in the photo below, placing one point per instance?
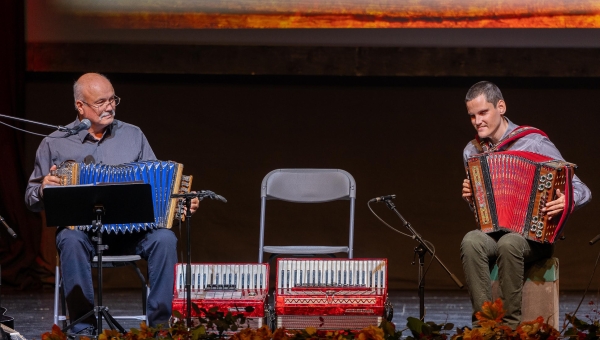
(307, 186)
(107, 262)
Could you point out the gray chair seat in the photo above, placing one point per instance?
(115, 261)
(304, 250)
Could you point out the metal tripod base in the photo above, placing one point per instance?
(99, 312)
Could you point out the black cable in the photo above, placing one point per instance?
(22, 130)
(385, 223)
(584, 293)
(428, 244)
(30, 132)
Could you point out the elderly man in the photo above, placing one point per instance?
(111, 142)
(486, 108)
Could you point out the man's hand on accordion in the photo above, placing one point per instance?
(555, 207)
(49, 179)
(466, 191)
(194, 204)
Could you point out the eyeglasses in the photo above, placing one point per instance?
(114, 101)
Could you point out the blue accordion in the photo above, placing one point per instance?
(165, 178)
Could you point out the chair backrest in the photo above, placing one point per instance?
(308, 186)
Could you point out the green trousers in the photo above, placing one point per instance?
(480, 251)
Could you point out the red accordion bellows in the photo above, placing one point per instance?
(510, 188)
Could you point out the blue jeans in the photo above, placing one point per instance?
(76, 250)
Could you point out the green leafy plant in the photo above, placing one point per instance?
(584, 330)
(427, 330)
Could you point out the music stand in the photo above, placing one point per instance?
(112, 203)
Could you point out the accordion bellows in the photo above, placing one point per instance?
(165, 178)
(510, 188)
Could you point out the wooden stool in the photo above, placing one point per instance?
(540, 291)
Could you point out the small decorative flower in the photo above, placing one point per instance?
(55, 334)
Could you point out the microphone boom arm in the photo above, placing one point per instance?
(202, 194)
(419, 239)
(56, 127)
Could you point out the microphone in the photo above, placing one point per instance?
(594, 240)
(220, 198)
(89, 159)
(202, 194)
(382, 198)
(84, 125)
(212, 196)
(10, 231)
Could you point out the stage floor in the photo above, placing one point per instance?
(33, 311)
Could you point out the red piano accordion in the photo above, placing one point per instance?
(511, 187)
(331, 294)
(230, 287)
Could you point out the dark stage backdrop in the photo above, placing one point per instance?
(401, 136)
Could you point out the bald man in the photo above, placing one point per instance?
(112, 142)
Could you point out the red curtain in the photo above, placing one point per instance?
(17, 256)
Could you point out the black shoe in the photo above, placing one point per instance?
(89, 332)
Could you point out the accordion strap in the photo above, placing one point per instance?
(477, 145)
(506, 142)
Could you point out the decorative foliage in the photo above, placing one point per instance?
(491, 327)
(491, 312)
(214, 324)
(582, 330)
(228, 322)
(55, 334)
(427, 330)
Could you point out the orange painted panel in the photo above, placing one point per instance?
(171, 14)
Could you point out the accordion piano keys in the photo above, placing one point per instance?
(330, 294)
(229, 287)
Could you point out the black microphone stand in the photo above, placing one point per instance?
(100, 311)
(188, 266)
(5, 319)
(55, 127)
(421, 250)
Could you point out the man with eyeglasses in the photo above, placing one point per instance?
(108, 141)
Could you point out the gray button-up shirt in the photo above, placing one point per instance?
(121, 143)
(541, 145)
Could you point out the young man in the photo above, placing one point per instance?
(486, 108)
(110, 142)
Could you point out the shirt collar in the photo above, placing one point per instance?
(84, 135)
(511, 127)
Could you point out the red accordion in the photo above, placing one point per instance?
(331, 294)
(230, 287)
(510, 188)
